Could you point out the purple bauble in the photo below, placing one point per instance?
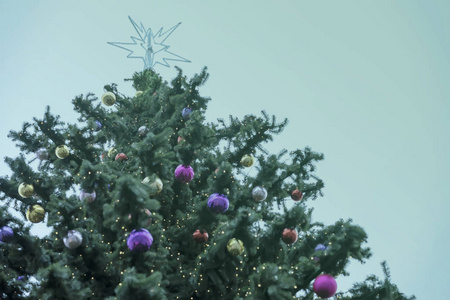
(186, 113)
(218, 203)
(325, 286)
(98, 126)
(86, 196)
(184, 173)
(320, 247)
(140, 240)
(21, 278)
(6, 234)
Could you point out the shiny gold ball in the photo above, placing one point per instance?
(35, 213)
(247, 160)
(25, 190)
(108, 98)
(112, 152)
(138, 93)
(235, 247)
(62, 151)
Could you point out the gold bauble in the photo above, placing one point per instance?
(35, 213)
(112, 152)
(62, 151)
(235, 247)
(138, 93)
(25, 190)
(155, 184)
(108, 98)
(247, 160)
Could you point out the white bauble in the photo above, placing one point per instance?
(73, 239)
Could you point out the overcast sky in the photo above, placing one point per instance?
(364, 82)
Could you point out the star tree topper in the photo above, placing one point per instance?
(150, 47)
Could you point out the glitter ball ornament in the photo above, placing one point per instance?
(186, 113)
(289, 236)
(86, 196)
(6, 234)
(97, 125)
(25, 190)
(325, 286)
(184, 173)
(142, 130)
(73, 239)
(139, 240)
(259, 193)
(200, 236)
(62, 151)
(218, 203)
(296, 195)
(247, 160)
(35, 213)
(235, 247)
(155, 184)
(121, 157)
(138, 94)
(42, 154)
(108, 98)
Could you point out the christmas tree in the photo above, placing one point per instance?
(146, 200)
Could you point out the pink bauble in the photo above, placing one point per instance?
(121, 157)
(325, 286)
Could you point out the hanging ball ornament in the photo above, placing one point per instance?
(184, 173)
(325, 286)
(6, 234)
(289, 236)
(320, 247)
(180, 139)
(200, 236)
(259, 193)
(62, 151)
(97, 125)
(73, 239)
(35, 213)
(247, 160)
(235, 247)
(25, 190)
(138, 94)
(218, 203)
(108, 98)
(155, 184)
(121, 157)
(296, 195)
(186, 113)
(42, 154)
(139, 240)
(142, 130)
(86, 196)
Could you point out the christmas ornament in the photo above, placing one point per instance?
(296, 195)
(142, 130)
(121, 156)
(62, 151)
(86, 196)
(35, 213)
(259, 193)
(42, 154)
(138, 94)
(200, 236)
(320, 247)
(139, 240)
(97, 125)
(247, 160)
(6, 234)
(155, 184)
(235, 247)
(325, 286)
(73, 239)
(25, 190)
(21, 278)
(289, 236)
(218, 203)
(180, 139)
(108, 98)
(112, 152)
(186, 113)
(184, 173)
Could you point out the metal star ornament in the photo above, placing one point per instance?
(150, 47)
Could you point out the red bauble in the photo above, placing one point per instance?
(200, 236)
(296, 195)
(121, 156)
(325, 286)
(289, 236)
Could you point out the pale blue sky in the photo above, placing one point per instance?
(364, 82)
